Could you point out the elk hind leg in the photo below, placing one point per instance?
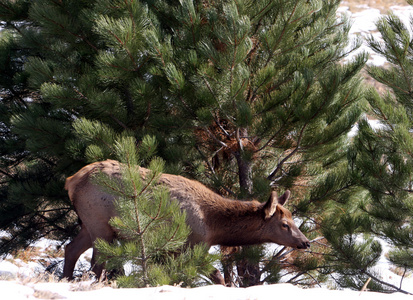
(97, 268)
(74, 249)
(217, 277)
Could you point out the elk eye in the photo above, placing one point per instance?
(285, 225)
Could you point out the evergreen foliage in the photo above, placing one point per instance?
(381, 157)
(50, 79)
(28, 145)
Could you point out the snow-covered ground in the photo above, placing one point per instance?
(20, 279)
(15, 291)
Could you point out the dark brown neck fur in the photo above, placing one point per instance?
(234, 222)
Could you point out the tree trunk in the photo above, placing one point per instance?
(248, 272)
(244, 165)
(245, 176)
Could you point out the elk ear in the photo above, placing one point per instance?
(271, 206)
(284, 198)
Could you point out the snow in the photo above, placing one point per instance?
(363, 25)
(16, 290)
(21, 280)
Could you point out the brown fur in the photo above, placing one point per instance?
(214, 220)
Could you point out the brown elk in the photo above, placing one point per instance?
(213, 220)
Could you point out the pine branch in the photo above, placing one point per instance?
(269, 141)
(171, 238)
(364, 271)
(71, 33)
(211, 90)
(215, 138)
(287, 22)
(281, 163)
(153, 219)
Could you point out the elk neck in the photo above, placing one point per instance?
(234, 222)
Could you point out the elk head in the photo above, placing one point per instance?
(280, 227)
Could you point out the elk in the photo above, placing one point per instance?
(213, 219)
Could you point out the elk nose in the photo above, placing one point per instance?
(304, 245)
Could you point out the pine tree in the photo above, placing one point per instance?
(30, 172)
(245, 96)
(152, 228)
(53, 73)
(262, 85)
(381, 157)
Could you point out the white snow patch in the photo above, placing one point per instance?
(363, 25)
(16, 290)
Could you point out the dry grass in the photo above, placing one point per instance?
(40, 294)
(82, 284)
(401, 271)
(35, 253)
(382, 5)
